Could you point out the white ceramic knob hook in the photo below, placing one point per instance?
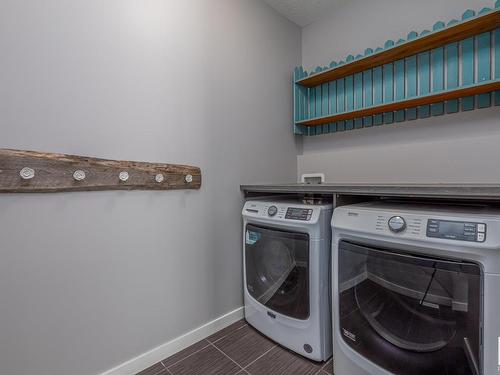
(189, 178)
(159, 178)
(27, 173)
(123, 176)
(79, 175)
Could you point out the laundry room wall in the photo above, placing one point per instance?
(90, 280)
(457, 148)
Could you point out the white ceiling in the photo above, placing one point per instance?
(304, 12)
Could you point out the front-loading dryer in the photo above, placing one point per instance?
(415, 289)
(286, 255)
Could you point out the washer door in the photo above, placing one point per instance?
(277, 269)
(410, 314)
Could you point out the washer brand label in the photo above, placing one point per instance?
(252, 237)
(351, 336)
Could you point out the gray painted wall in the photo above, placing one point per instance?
(454, 148)
(90, 280)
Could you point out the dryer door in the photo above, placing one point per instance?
(410, 314)
(277, 269)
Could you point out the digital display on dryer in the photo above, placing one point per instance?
(294, 213)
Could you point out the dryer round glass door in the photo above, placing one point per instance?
(277, 270)
(410, 314)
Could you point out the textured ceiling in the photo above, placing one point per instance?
(304, 12)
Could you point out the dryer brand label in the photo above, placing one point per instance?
(252, 237)
(351, 336)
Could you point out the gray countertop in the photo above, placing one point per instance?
(463, 191)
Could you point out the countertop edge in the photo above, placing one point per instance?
(470, 191)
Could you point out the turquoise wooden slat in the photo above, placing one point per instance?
(305, 99)
(437, 67)
(349, 100)
(484, 66)
(452, 75)
(377, 93)
(312, 102)
(340, 102)
(296, 76)
(399, 86)
(299, 102)
(296, 128)
(358, 98)
(368, 96)
(437, 57)
(324, 99)
(467, 47)
(332, 97)
(304, 103)
(317, 100)
(310, 109)
(411, 84)
(497, 58)
(388, 70)
(467, 71)
(424, 81)
(324, 106)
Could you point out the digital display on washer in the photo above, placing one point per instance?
(456, 230)
(294, 213)
(451, 228)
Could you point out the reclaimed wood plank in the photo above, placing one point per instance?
(51, 172)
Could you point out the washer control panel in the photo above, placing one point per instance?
(456, 230)
(298, 213)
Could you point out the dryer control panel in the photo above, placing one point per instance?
(456, 230)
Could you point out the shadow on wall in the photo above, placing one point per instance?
(455, 148)
(449, 127)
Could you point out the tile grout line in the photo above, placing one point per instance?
(230, 333)
(182, 359)
(199, 350)
(259, 357)
(322, 368)
(237, 364)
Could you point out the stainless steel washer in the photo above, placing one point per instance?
(415, 289)
(286, 252)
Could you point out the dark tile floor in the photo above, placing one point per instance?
(238, 350)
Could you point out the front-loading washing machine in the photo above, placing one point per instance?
(286, 254)
(416, 289)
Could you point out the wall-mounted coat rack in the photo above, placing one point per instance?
(456, 66)
(37, 172)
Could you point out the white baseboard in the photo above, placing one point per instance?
(163, 351)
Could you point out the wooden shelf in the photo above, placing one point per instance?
(454, 33)
(407, 103)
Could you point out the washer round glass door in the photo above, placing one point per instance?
(277, 269)
(409, 314)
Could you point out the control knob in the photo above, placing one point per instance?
(273, 210)
(397, 224)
